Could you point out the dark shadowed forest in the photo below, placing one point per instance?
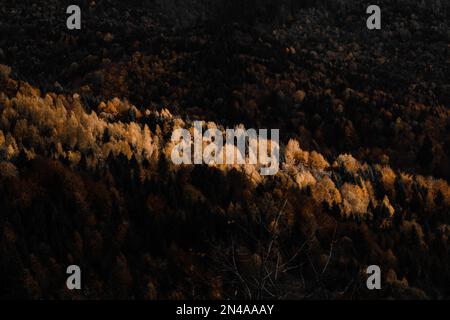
(86, 177)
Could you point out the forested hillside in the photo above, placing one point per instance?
(86, 176)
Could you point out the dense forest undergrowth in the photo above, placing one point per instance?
(86, 176)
